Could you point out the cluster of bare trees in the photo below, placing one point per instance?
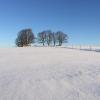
(48, 37)
(26, 37)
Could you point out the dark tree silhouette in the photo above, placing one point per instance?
(61, 37)
(25, 37)
(49, 37)
(45, 37)
(42, 37)
(54, 38)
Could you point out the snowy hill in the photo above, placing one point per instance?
(47, 73)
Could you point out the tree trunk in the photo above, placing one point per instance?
(54, 43)
(43, 43)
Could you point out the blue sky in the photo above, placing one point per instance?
(80, 19)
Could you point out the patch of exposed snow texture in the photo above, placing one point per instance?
(47, 73)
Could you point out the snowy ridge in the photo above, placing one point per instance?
(83, 47)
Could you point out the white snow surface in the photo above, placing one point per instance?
(48, 73)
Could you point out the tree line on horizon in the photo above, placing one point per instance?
(26, 37)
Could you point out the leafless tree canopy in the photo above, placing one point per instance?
(24, 38)
(61, 37)
(42, 37)
(52, 38)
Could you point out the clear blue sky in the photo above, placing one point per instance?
(80, 19)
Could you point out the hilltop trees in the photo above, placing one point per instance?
(61, 37)
(42, 37)
(47, 37)
(54, 38)
(24, 38)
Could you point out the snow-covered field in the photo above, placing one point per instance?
(47, 73)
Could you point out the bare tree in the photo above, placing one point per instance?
(54, 38)
(49, 37)
(61, 37)
(42, 37)
(25, 37)
(45, 37)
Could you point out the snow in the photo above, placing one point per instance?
(48, 73)
(95, 48)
